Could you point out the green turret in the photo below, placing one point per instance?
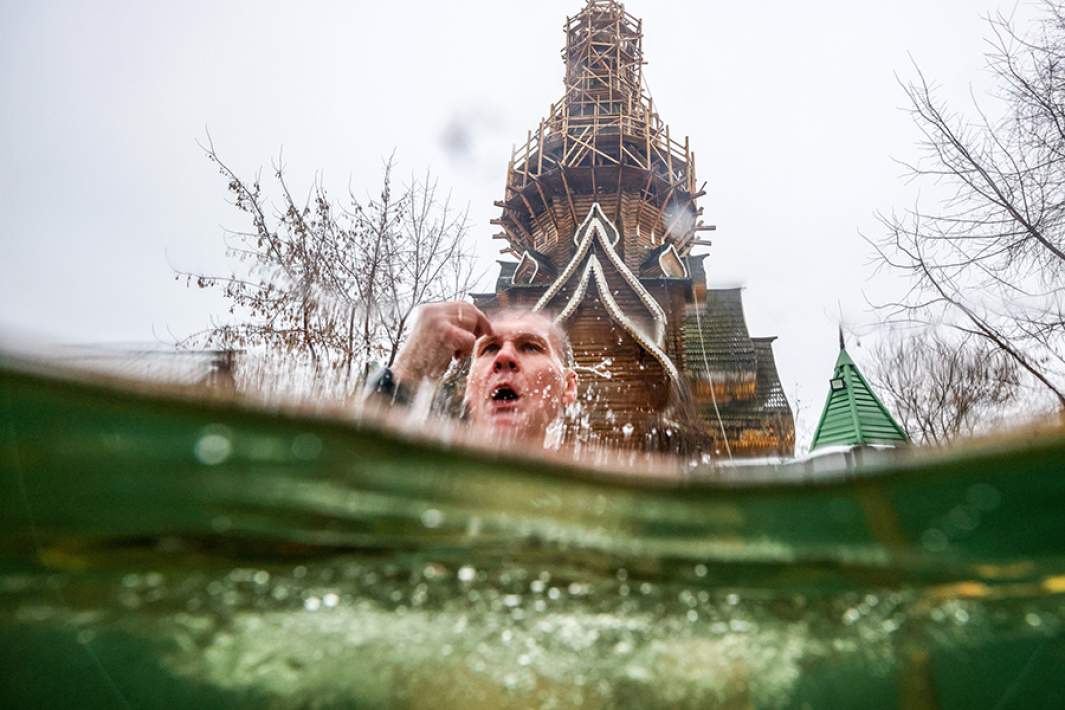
(853, 414)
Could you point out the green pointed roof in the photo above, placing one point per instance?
(853, 414)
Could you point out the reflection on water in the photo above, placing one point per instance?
(157, 553)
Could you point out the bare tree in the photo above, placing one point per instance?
(942, 389)
(331, 286)
(989, 257)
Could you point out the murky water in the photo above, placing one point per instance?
(158, 554)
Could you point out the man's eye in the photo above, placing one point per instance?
(490, 348)
(532, 347)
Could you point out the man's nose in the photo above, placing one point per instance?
(506, 359)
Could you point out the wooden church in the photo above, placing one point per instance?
(600, 216)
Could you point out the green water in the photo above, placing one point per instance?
(156, 552)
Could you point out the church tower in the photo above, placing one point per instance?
(600, 215)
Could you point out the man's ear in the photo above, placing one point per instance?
(569, 387)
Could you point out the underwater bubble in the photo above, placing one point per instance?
(330, 599)
(432, 518)
(700, 570)
(739, 626)
(473, 526)
(306, 447)
(983, 496)
(964, 519)
(213, 445)
(934, 540)
(467, 573)
(851, 616)
(433, 571)
(312, 603)
(1033, 619)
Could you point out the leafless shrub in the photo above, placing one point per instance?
(989, 258)
(944, 389)
(323, 290)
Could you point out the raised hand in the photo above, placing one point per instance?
(441, 332)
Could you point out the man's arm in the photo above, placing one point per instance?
(441, 332)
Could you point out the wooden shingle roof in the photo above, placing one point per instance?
(716, 338)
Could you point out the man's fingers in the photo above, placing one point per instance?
(460, 340)
(472, 319)
(483, 327)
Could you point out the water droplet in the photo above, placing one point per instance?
(739, 626)
(1033, 619)
(330, 599)
(700, 570)
(627, 430)
(983, 496)
(934, 540)
(432, 518)
(851, 616)
(306, 447)
(467, 573)
(213, 445)
(312, 603)
(433, 571)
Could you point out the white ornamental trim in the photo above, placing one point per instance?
(526, 256)
(595, 269)
(597, 224)
(661, 264)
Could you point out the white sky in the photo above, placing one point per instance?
(792, 109)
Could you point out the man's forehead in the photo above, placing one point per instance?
(516, 324)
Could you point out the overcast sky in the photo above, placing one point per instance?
(792, 109)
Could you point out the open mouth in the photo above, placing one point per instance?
(504, 393)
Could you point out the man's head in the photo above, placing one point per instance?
(521, 375)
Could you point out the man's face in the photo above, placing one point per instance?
(518, 383)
